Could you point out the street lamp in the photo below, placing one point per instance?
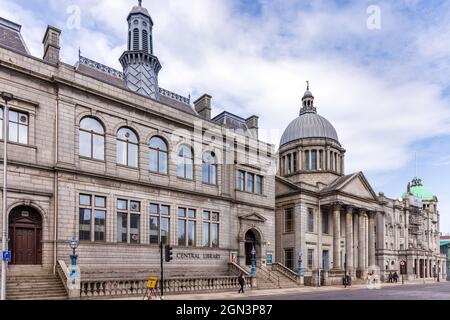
(299, 266)
(73, 259)
(253, 273)
(6, 97)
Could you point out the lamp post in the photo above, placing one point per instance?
(6, 97)
(299, 266)
(73, 259)
(253, 273)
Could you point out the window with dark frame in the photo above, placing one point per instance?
(307, 162)
(241, 180)
(310, 258)
(325, 221)
(185, 165)
(18, 126)
(209, 168)
(211, 229)
(187, 227)
(128, 221)
(289, 220)
(310, 220)
(92, 139)
(158, 155)
(92, 218)
(127, 148)
(159, 224)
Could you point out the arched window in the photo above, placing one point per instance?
(209, 168)
(145, 40)
(136, 39)
(127, 148)
(158, 155)
(185, 164)
(92, 139)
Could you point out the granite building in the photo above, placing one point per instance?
(120, 164)
(334, 221)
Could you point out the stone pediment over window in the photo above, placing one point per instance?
(253, 217)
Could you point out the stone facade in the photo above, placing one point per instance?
(329, 223)
(47, 175)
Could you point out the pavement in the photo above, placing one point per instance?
(411, 290)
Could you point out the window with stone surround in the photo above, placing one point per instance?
(310, 216)
(159, 223)
(185, 164)
(92, 218)
(240, 181)
(310, 259)
(307, 161)
(289, 220)
(211, 229)
(314, 160)
(158, 155)
(92, 139)
(249, 182)
(187, 227)
(289, 258)
(18, 124)
(127, 148)
(209, 168)
(128, 221)
(325, 221)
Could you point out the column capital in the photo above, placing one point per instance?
(350, 208)
(362, 211)
(371, 214)
(337, 205)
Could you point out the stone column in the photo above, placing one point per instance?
(362, 244)
(372, 238)
(349, 239)
(337, 236)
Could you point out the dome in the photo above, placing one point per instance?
(139, 9)
(417, 189)
(309, 125)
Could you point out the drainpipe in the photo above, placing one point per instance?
(55, 187)
(6, 97)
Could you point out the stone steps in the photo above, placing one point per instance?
(34, 283)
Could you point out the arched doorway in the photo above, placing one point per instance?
(25, 234)
(252, 240)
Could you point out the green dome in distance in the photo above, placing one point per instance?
(417, 189)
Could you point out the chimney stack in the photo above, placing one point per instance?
(51, 45)
(252, 124)
(203, 106)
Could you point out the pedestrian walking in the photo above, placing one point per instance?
(241, 281)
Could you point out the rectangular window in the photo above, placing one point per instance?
(210, 229)
(159, 224)
(314, 160)
(92, 218)
(18, 127)
(294, 160)
(307, 164)
(240, 180)
(187, 227)
(321, 160)
(259, 185)
(310, 220)
(250, 183)
(310, 258)
(128, 221)
(325, 222)
(289, 220)
(289, 258)
(289, 164)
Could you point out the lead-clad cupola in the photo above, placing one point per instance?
(140, 66)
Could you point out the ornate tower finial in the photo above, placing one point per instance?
(140, 65)
(308, 102)
(307, 85)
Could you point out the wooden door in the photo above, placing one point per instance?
(25, 246)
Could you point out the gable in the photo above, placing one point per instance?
(358, 188)
(253, 217)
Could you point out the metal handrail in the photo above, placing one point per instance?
(235, 266)
(270, 275)
(285, 270)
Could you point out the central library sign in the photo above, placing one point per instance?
(198, 256)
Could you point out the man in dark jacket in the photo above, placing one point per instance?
(241, 280)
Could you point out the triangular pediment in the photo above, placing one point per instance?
(284, 186)
(253, 217)
(358, 186)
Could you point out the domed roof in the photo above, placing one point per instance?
(139, 9)
(309, 125)
(417, 189)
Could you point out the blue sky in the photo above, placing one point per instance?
(386, 90)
